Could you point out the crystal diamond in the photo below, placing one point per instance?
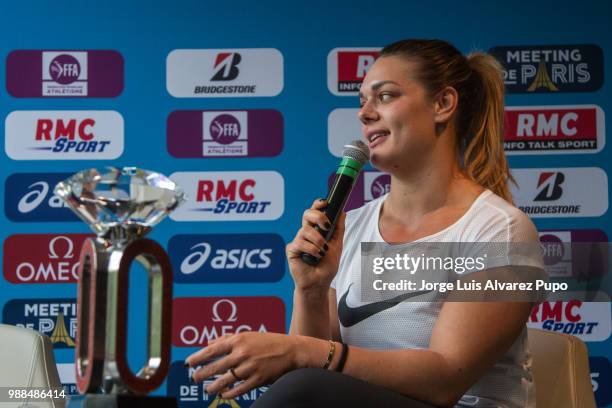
(122, 200)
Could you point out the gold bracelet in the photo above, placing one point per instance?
(330, 355)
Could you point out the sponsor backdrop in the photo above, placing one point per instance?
(248, 107)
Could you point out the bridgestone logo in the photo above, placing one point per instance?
(227, 89)
(213, 73)
(551, 209)
(561, 192)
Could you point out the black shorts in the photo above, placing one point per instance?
(316, 387)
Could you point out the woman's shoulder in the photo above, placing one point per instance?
(490, 219)
(363, 221)
(493, 219)
(369, 209)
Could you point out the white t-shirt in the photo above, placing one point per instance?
(408, 325)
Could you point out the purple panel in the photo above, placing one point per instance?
(590, 260)
(267, 126)
(184, 134)
(590, 252)
(24, 74)
(593, 235)
(105, 74)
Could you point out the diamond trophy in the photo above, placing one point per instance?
(121, 206)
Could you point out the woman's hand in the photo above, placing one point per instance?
(310, 241)
(256, 358)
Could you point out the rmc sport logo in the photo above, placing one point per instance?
(238, 196)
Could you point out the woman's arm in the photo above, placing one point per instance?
(310, 314)
(467, 339)
(314, 301)
(315, 314)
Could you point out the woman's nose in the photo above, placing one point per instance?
(367, 113)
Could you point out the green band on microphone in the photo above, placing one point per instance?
(347, 171)
(347, 161)
(349, 167)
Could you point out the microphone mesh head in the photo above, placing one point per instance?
(357, 150)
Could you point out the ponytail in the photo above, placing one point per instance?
(483, 154)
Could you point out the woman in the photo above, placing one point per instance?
(433, 120)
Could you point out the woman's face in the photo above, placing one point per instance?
(397, 115)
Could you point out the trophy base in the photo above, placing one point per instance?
(120, 401)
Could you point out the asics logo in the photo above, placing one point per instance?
(32, 200)
(237, 258)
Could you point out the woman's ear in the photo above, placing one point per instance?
(445, 104)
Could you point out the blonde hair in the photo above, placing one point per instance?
(480, 112)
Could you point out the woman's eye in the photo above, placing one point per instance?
(384, 96)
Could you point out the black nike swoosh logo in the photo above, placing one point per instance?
(350, 316)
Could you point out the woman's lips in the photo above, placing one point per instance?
(377, 140)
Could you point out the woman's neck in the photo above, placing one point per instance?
(429, 189)
(425, 205)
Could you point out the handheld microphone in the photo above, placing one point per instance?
(354, 156)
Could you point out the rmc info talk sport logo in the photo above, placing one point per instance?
(42, 258)
(562, 129)
(207, 73)
(551, 68)
(49, 73)
(64, 135)
(230, 133)
(54, 317)
(346, 68)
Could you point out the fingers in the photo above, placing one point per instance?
(227, 380)
(242, 387)
(315, 217)
(314, 214)
(309, 241)
(214, 349)
(221, 383)
(319, 204)
(222, 338)
(217, 367)
(297, 247)
(309, 234)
